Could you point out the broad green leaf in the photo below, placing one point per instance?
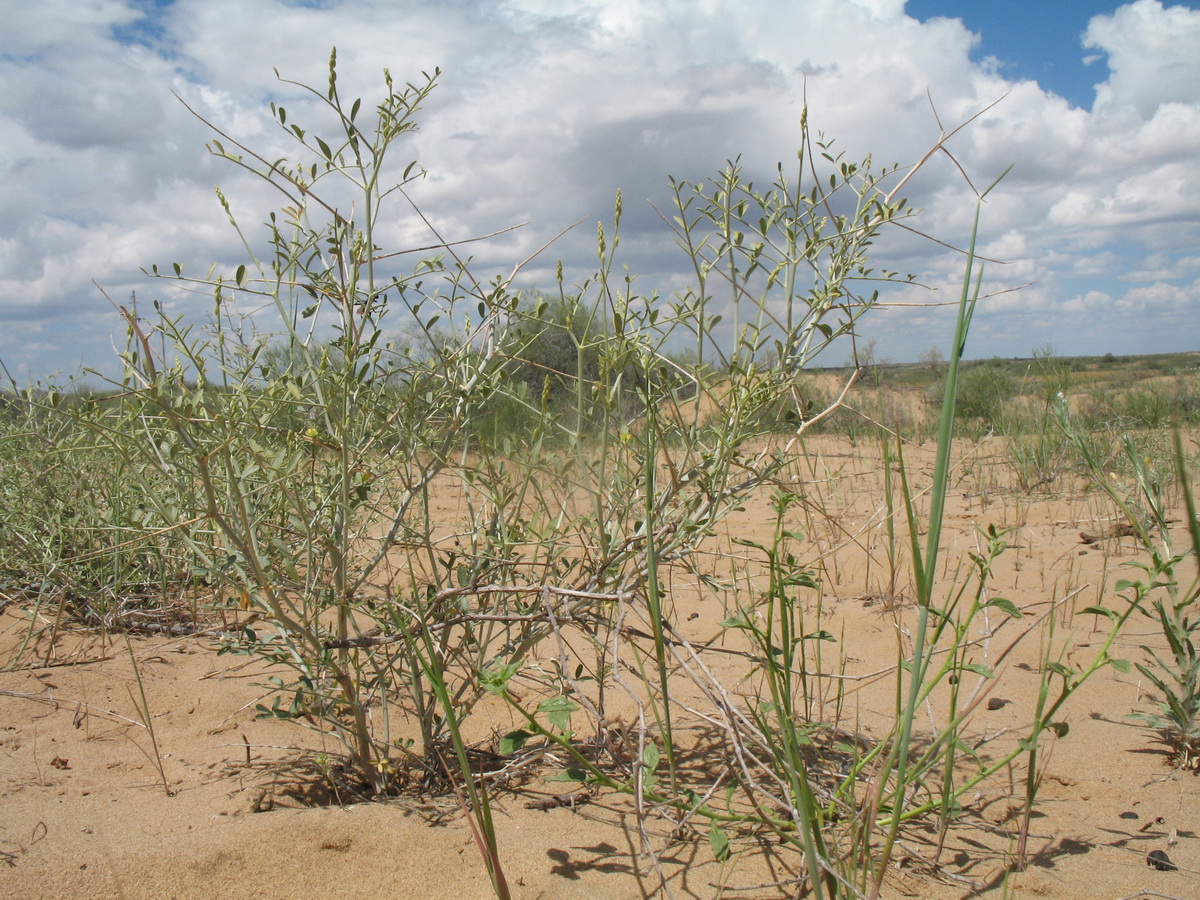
(650, 756)
(558, 711)
(821, 635)
(802, 579)
(978, 669)
(513, 741)
(719, 843)
(1007, 605)
(571, 774)
(741, 620)
(1059, 669)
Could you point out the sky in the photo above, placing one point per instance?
(545, 108)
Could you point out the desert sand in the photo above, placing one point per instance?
(246, 810)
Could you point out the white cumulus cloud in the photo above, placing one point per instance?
(545, 109)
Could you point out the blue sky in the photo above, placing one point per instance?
(1031, 39)
(547, 107)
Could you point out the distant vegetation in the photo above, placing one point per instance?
(1008, 396)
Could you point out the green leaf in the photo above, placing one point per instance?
(513, 741)
(1099, 611)
(495, 678)
(276, 711)
(746, 542)
(978, 669)
(1059, 669)
(650, 756)
(802, 579)
(741, 620)
(324, 149)
(1121, 665)
(240, 276)
(558, 711)
(1007, 605)
(571, 774)
(719, 842)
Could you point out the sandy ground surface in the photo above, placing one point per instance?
(245, 811)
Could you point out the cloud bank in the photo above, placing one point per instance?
(545, 109)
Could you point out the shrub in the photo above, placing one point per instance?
(983, 392)
(313, 455)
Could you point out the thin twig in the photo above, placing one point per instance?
(49, 699)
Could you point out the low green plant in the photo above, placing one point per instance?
(293, 436)
(142, 705)
(1161, 591)
(788, 646)
(79, 539)
(1050, 375)
(313, 447)
(309, 450)
(1039, 451)
(901, 771)
(985, 390)
(1040, 458)
(781, 750)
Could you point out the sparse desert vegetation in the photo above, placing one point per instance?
(619, 594)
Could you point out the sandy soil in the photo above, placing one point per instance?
(245, 811)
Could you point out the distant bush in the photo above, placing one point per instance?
(797, 400)
(983, 391)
